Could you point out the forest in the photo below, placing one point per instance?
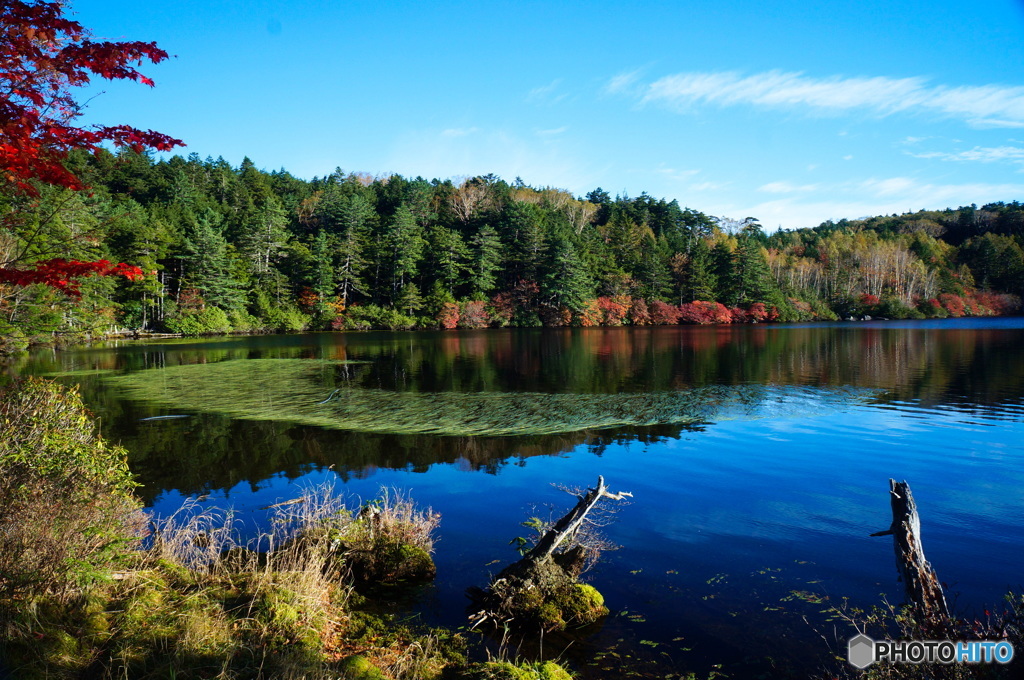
(239, 249)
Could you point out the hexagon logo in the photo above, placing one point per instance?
(861, 651)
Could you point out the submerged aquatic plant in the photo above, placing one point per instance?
(309, 392)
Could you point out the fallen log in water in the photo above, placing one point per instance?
(542, 589)
(569, 525)
(920, 582)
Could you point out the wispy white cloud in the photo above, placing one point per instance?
(622, 83)
(888, 187)
(675, 173)
(708, 186)
(981, 105)
(978, 154)
(546, 93)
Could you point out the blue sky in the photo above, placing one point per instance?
(792, 113)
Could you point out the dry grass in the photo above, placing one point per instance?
(201, 601)
(888, 621)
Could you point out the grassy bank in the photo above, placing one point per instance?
(91, 587)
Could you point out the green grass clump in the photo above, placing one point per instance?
(390, 542)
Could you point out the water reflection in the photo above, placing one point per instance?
(964, 361)
(759, 456)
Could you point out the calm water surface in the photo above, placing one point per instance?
(758, 456)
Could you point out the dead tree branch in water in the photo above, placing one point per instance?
(922, 585)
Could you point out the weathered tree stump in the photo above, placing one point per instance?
(920, 582)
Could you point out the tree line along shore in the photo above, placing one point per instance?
(228, 249)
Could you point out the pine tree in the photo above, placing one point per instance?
(402, 249)
(322, 276)
(566, 282)
(351, 223)
(723, 266)
(409, 299)
(486, 261)
(447, 255)
(751, 277)
(523, 231)
(207, 266)
(700, 278)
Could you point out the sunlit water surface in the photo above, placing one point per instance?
(758, 458)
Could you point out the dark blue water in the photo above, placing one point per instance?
(771, 490)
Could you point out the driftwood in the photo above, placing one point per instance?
(922, 586)
(541, 591)
(570, 524)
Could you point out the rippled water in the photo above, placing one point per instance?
(759, 459)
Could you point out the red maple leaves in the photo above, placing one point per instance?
(43, 55)
(63, 275)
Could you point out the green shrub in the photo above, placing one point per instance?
(365, 317)
(209, 321)
(67, 511)
(242, 321)
(893, 308)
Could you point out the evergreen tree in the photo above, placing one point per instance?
(207, 265)
(409, 299)
(566, 282)
(263, 238)
(653, 273)
(322, 277)
(751, 279)
(522, 230)
(486, 261)
(402, 249)
(723, 269)
(701, 282)
(351, 221)
(447, 255)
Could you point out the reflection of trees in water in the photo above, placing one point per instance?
(934, 365)
(209, 452)
(959, 368)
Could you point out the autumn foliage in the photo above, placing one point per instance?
(704, 312)
(43, 57)
(63, 275)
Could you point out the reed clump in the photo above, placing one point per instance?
(887, 621)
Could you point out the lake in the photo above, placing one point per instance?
(758, 458)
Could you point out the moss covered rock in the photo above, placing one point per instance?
(360, 668)
(503, 670)
(374, 557)
(541, 594)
